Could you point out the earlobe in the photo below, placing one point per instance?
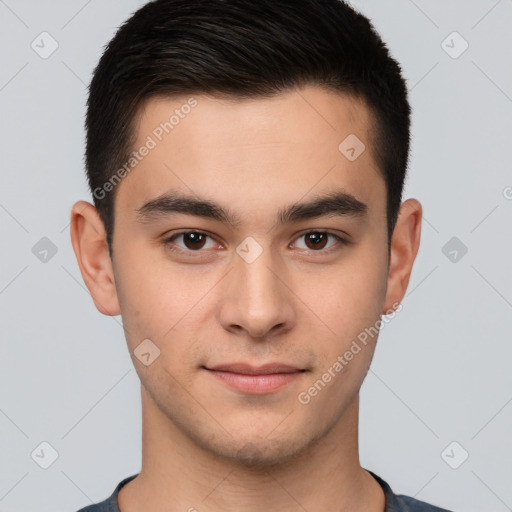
(88, 237)
(405, 243)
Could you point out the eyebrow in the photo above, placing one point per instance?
(337, 203)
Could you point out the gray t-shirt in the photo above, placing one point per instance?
(394, 502)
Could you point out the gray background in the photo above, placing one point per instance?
(441, 372)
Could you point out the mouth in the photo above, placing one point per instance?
(256, 380)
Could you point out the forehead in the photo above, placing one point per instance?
(254, 153)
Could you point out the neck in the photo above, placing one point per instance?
(179, 475)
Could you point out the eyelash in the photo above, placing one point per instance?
(168, 242)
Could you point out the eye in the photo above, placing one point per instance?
(192, 241)
(317, 241)
(195, 241)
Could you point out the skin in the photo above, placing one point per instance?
(207, 446)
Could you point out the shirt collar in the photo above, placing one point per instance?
(393, 503)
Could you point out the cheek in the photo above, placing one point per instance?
(153, 310)
(349, 297)
(349, 301)
(160, 301)
(345, 355)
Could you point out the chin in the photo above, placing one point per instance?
(261, 453)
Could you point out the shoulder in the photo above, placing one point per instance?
(409, 504)
(403, 503)
(110, 504)
(104, 506)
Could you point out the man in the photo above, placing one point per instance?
(247, 161)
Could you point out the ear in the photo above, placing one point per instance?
(88, 237)
(405, 243)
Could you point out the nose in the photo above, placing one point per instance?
(257, 301)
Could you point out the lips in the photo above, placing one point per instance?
(256, 380)
(246, 369)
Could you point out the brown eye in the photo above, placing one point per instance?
(317, 241)
(191, 241)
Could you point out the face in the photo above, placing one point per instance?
(235, 287)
